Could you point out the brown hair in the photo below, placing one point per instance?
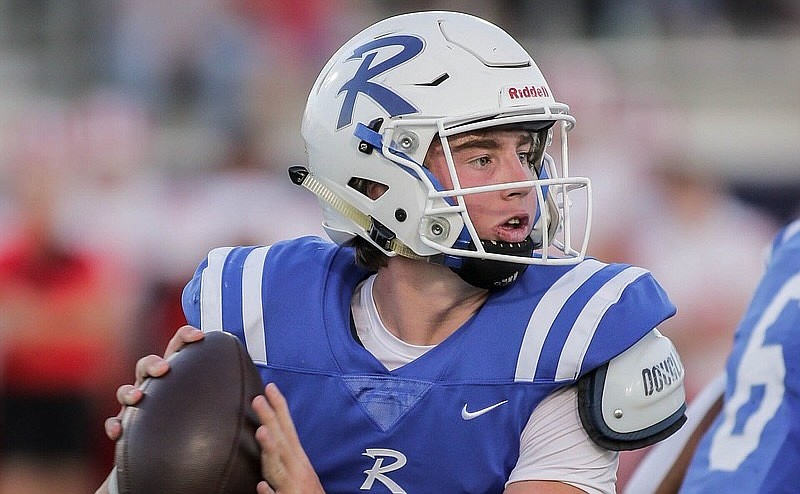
(367, 255)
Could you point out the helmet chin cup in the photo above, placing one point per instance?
(491, 274)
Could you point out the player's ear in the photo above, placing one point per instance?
(375, 190)
(370, 188)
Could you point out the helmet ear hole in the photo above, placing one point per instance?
(370, 188)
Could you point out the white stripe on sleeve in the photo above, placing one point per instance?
(252, 310)
(211, 290)
(546, 312)
(583, 330)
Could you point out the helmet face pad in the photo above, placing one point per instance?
(411, 81)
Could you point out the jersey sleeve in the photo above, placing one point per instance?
(190, 298)
(622, 317)
(224, 294)
(215, 281)
(247, 291)
(586, 317)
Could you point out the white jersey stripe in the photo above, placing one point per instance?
(546, 312)
(252, 315)
(579, 338)
(791, 230)
(211, 290)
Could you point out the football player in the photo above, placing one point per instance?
(453, 337)
(752, 446)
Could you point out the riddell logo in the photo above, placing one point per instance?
(528, 92)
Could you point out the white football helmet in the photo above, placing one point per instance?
(387, 93)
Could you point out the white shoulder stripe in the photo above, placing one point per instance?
(252, 314)
(211, 290)
(791, 230)
(546, 312)
(583, 330)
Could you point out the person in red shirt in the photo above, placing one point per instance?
(60, 347)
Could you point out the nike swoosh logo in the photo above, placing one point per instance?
(477, 413)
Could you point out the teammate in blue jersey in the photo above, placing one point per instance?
(752, 446)
(453, 337)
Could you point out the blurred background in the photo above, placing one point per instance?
(136, 135)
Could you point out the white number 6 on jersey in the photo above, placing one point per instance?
(761, 367)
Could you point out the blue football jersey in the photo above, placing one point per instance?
(450, 421)
(754, 444)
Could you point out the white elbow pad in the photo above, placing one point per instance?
(637, 398)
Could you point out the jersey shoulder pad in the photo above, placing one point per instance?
(637, 398)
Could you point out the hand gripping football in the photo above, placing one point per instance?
(193, 432)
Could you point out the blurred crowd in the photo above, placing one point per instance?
(136, 135)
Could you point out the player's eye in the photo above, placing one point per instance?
(526, 158)
(480, 162)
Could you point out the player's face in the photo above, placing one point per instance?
(491, 157)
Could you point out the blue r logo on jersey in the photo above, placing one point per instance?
(390, 101)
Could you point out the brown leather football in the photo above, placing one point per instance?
(193, 432)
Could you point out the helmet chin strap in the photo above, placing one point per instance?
(380, 235)
(481, 273)
(491, 274)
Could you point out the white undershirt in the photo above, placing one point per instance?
(554, 444)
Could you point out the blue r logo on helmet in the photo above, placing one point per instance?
(390, 101)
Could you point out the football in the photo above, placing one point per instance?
(193, 432)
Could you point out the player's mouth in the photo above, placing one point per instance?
(514, 229)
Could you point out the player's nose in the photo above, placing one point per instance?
(515, 170)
